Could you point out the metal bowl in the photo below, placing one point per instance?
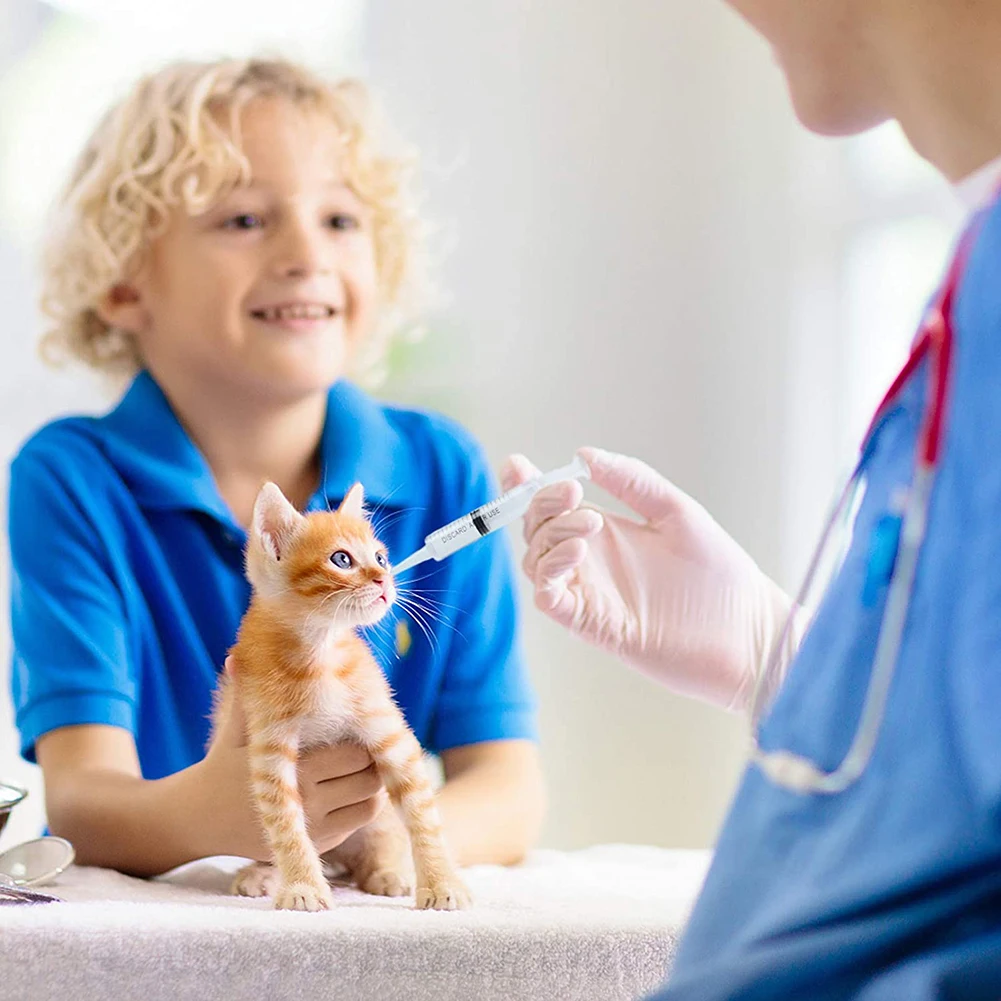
(10, 796)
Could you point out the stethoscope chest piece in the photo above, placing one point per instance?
(36, 862)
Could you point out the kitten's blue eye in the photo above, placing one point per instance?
(380, 558)
(341, 560)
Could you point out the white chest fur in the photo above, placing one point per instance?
(332, 715)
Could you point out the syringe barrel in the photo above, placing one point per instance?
(460, 533)
(498, 513)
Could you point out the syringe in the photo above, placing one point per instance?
(508, 507)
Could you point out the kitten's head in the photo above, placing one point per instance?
(327, 565)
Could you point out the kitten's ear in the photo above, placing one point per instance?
(275, 520)
(353, 503)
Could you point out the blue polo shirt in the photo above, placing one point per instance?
(127, 582)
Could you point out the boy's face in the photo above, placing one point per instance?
(270, 290)
(825, 50)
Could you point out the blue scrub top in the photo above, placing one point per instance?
(892, 888)
(127, 583)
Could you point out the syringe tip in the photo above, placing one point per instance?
(420, 556)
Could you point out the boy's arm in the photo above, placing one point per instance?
(493, 800)
(97, 799)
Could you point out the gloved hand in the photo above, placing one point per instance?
(671, 594)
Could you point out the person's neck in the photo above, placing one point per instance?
(249, 440)
(944, 78)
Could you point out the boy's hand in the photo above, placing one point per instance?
(338, 783)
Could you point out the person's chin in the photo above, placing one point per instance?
(304, 375)
(290, 385)
(832, 111)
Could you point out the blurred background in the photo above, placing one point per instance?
(639, 248)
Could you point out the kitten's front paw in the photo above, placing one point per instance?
(303, 897)
(256, 880)
(387, 883)
(450, 894)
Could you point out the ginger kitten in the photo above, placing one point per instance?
(306, 678)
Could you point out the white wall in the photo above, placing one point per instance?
(614, 178)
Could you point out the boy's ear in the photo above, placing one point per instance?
(353, 503)
(275, 521)
(122, 307)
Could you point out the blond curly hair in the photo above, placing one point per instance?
(174, 142)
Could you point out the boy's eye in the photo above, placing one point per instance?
(380, 558)
(342, 560)
(245, 221)
(344, 222)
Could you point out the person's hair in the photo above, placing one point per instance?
(175, 141)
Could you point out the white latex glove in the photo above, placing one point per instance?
(671, 594)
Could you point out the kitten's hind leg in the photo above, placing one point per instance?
(259, 879)
(400, 762)
(377, 856)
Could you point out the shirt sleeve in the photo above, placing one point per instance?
(70, 651)
(486, 693)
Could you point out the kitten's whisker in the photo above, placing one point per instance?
(378, 507)
(431, 614)
(390, 519)
(424, 629)
(434, 601)
(426, 618)
(319, 608)
(417, 580)
(423, 626)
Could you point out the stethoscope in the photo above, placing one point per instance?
(32, 863)
(897, 555)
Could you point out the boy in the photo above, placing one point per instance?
(233, 239)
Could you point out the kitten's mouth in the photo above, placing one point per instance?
(377, 605)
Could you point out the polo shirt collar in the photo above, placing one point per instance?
(165, 470)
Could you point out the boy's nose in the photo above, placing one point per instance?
(300, 253)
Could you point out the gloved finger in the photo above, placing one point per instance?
(551, 502)
(580, 524)
(559, 563)
(634, 482)
(516, 470)
(553, 595)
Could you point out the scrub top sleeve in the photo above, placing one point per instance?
(485, 694)
(70, 653)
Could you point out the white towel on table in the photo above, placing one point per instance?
(599, 924)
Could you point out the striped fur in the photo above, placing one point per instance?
(306, 678)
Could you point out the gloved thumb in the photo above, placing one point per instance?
(231, 728)
(633, 482)
(516, 470)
